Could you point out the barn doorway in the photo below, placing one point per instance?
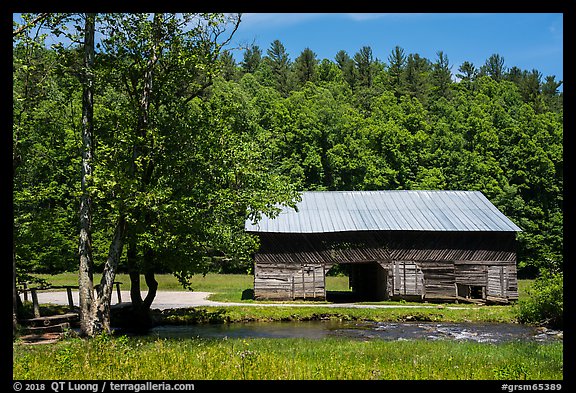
(367, 282)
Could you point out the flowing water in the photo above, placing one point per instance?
(479, 332)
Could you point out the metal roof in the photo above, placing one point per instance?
(391, 210)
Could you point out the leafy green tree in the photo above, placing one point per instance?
(167, 72)
(44, 176)
(44, 185)
(545, 302)
(148, 76)
(329, 72)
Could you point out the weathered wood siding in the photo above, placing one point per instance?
(289, 281)
(429, 265)
(439, 280)
(408, 279)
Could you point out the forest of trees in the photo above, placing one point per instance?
(188, 143)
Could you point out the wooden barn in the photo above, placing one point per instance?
(416, 245)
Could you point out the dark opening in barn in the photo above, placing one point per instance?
(414, 245)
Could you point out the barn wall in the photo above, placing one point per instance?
(428, 265)
(289, 280)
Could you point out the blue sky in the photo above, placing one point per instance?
(525, 40)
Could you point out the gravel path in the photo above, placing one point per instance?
(183, 299)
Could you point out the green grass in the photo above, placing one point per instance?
(166, 282)
(296, 359)
(228, 287)
(503, 314)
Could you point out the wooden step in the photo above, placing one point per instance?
(58, 328)
(46, 338)
(50, 320)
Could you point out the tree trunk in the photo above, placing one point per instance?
(100, 312)
(138, 317)
(85, 274)
(152, 288)
(133, 272)
(14, 292)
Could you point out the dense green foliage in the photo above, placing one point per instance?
(125, 358)
(545, 302)
(226, 141)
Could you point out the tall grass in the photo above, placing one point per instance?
(258, 359)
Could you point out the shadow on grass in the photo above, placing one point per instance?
(248, 294)
(189, 316)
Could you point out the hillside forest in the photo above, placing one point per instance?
(190, 137)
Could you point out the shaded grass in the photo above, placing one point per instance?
(125, 358)
(503, 314)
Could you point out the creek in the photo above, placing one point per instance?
(478, 332)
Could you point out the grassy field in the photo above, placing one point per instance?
(302, 359)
